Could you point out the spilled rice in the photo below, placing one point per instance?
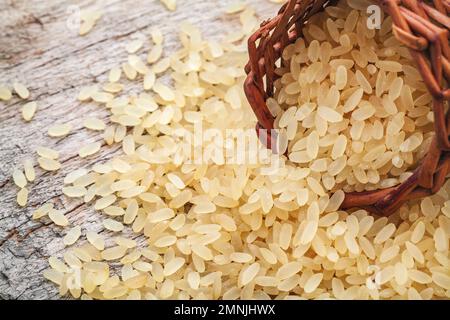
(222, 231)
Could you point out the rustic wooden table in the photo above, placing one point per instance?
(38, 48)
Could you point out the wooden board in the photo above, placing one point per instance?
(38, 49)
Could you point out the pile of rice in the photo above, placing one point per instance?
(221, 231)
(350, 104)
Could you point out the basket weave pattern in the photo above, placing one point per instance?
(424, 29)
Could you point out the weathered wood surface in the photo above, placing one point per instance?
(37, 48)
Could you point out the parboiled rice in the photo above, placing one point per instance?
(21, 90)
(28, 110)
(5, 93)
(223, 231)
(59, 130)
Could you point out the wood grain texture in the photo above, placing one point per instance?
(38, 49)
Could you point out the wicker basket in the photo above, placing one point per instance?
(424, 29)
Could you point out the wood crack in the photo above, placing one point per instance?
(11, 234)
